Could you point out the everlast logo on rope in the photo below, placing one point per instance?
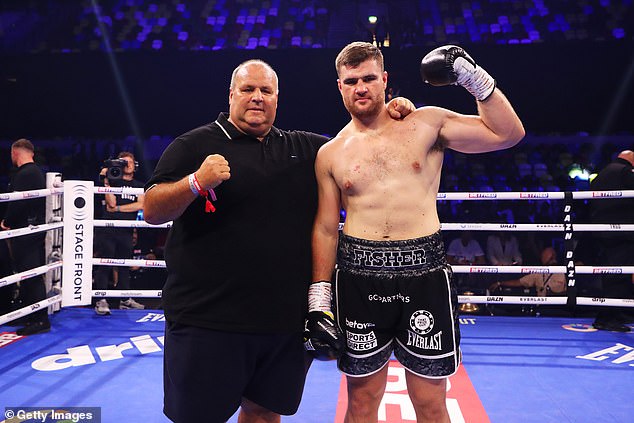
(533, 299)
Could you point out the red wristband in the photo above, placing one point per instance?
(193, 182)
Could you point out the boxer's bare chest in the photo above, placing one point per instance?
(368, 161)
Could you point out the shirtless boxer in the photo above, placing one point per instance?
(393, 290)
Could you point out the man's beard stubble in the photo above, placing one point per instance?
(378, 103)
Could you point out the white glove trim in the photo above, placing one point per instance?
(475, 79)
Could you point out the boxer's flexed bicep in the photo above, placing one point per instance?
(213, 171)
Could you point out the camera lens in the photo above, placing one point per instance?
(114, 172)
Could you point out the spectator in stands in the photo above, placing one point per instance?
(465, 250)
(545, 284)
(503, 249)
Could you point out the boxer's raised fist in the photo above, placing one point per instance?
(450, 64)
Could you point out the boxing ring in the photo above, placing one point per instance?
(531, 357)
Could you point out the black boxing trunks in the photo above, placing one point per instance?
(397, 296)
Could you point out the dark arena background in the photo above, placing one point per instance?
(86, 80)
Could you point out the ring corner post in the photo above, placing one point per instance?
(78, 211)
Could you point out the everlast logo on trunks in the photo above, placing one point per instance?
(422, 323)
(393, 258)
(433, 342)
(361, 341)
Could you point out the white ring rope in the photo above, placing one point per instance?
(128, 262)
(553, 227)
(517, 195)
(129, 224)
(587, 270)
(535, 195)
(17, 277)
(11, 233)
(525, 227)
(31, 308)
(31, 194)
(500, 299)
(135, 293)
(118, 190)
(538, 195)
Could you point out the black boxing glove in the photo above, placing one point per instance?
(451, 65)
(322, 337)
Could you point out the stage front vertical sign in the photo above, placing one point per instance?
(78, 236)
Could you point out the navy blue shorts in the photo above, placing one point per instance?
(206, 373)
(396, 297)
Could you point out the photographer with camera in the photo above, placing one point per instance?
(117, 242)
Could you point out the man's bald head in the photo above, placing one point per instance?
(627, 155)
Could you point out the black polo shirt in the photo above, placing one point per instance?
(618, 175)
(246, 267)
(20, 214)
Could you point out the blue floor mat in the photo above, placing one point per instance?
(524, 369)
